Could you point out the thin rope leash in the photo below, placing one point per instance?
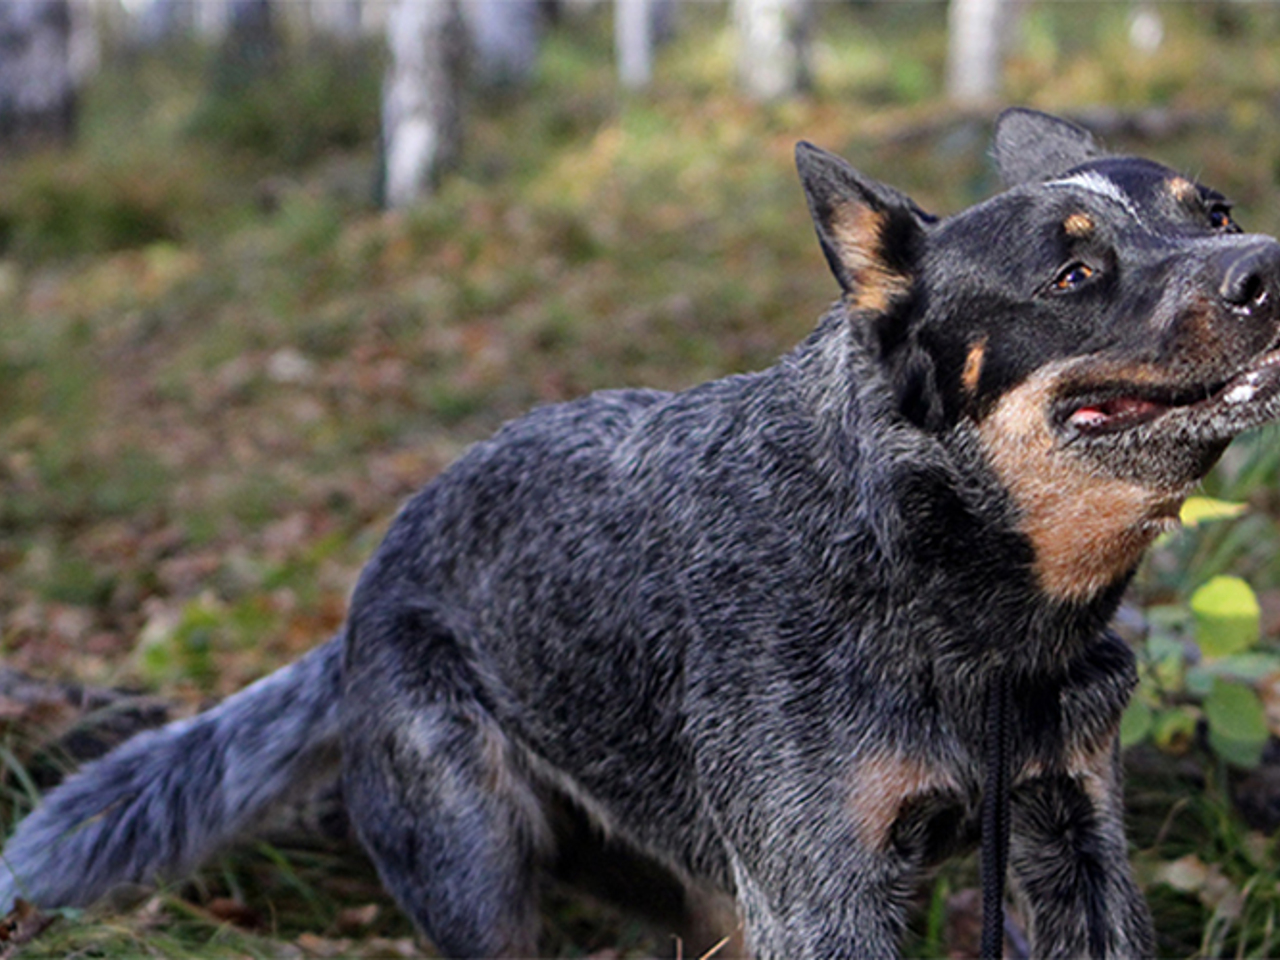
(995, 819)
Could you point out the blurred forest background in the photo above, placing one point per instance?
(267, 267)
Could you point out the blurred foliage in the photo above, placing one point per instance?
(1200, 663)
(293, 113)
(221, 371)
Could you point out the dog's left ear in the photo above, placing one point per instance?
(1031, 146)
(870, 233)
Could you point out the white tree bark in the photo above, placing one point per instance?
(976, 31)
(421, 110)
(37, 83)
(212, 19)
(633, 40)
(84, 47)
(774, 51)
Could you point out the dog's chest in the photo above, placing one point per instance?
(925, 802)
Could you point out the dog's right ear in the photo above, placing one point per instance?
(871, 234)
(1030, 146)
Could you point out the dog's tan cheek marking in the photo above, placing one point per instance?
(881, 784)
(857, 231)
(972, 373)
(1087, 529)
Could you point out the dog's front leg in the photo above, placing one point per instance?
(1070, 862)
(826, 900)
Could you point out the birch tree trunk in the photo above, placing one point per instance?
(421, 99)
(774, 51)
(976, 31)
(640, 26)
(633, 40)
(37, 84)
(212, 18)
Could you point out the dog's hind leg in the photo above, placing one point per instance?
(453, 825)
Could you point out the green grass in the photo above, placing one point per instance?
(221, 370)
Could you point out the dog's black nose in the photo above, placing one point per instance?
(1251, 277)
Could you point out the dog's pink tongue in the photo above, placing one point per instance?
(1120, 407)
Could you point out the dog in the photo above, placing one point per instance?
(752, 628)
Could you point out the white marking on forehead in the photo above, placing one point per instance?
(1092, 182)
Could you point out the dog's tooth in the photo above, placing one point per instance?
(1242, 393)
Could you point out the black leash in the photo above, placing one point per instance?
(995, 819)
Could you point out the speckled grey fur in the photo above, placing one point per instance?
(161, 803)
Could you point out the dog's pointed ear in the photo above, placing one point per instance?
(1031, 146)
(869, 232)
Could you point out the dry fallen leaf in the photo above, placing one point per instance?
(232, 911)
(316, 946)
(1186, 874)
(354, 919)
(23, 924)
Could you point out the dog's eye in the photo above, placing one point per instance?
(1220, 219)
(1072, 277)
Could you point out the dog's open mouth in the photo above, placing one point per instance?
(1248, 398)
(1115, 413)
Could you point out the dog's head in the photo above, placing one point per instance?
(1104, 328)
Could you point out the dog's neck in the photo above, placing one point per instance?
(969, 543)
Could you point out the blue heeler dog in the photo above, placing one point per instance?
(788, 632)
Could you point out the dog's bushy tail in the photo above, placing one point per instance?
(159, 804)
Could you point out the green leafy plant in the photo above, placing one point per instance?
(1202, 662)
